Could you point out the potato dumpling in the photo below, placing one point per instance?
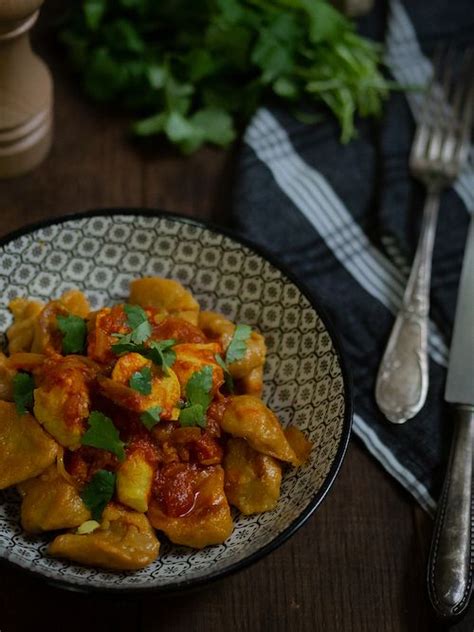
(208, 521)
(76, 303)
(191, 358)
(247, 417)
(50, 502)
(252, 383)
(216, 327)
(25, 448)
(124, 541)
(164, 294)
(62, 402)
(300, 444)
(134, 481)
(165, 389)
(21, 333)
(6, 377)
(252, 480)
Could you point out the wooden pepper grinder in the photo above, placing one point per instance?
(26, 92)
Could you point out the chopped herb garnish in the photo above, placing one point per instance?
(162, 354)
(103, 434)
(23, 387)
(141, 381)
(238, 345)
(98, 492)
(229, 380)
(198, 395)
(138, 322)
(74, 331)
(151, 417)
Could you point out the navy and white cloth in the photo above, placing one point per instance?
(345, 219)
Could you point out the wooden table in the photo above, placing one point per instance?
(357, 565)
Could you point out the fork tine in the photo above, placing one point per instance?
(421, 138)
(466, 106)
(440, 91)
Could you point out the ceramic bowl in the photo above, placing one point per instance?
(306, 382)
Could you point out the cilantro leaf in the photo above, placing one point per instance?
(138, 322)
(238, 345)
(193, 416)
(151, 417)
(229, 380)
(161, 353)
(124, 345)
(198, 395)
(74, 331)
(141, 381)
(23, 386)
(103, 434)
(98, 492)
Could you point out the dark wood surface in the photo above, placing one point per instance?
(359, 562)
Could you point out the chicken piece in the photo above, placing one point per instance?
(191, 358)
(218, 328)
(300, 444)
(50, 502)
(251, 384)
(124, 541)
(247, 417)
(252, 480)
(165, 389)
(172, 328)
(204, 518)
(134, 480)
(62, 401)
(6, 378)
(165, 294)
(25, 448)
(21, 333)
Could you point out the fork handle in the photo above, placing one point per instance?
(402, 379)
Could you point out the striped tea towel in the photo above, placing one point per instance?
(346, 219)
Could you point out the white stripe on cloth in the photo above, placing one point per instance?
(314, 197)
(385, 456)
(409, 66)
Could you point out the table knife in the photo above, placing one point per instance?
(450, 572)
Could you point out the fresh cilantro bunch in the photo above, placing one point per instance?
(196, 71)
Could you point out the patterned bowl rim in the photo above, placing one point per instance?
(348, 400)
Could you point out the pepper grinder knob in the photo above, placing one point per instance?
(26, 92)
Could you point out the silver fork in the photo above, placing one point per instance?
(439, 152)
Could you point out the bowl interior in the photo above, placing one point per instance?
(304, 382)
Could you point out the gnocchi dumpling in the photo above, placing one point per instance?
(207, 522)
(25, 447)
(125, 540)
(135, 480)
(21, 333)
(50, 502)
(165, 294)
(247, 417)
(252, 479)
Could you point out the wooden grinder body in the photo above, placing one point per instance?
(26, 92)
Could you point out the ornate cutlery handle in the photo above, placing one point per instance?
(402, 380)
(450, 562)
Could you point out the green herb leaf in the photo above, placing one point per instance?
(161, 353)
(138, 322)
(74, 331)
(98, 492)
(238, 345)
(23, 387)
(229, 380)
(198, 395)
(103, 434)
(141, 381)
(151, 417)
(125, 345)
(193, 416)
(93, 12)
